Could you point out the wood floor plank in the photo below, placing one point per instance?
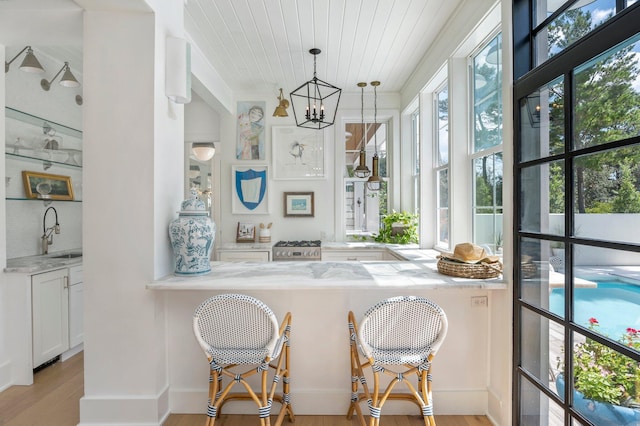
(53, 400)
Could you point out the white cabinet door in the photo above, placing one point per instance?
(76, 310)
(50, 315)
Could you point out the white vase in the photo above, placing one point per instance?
(192, 236)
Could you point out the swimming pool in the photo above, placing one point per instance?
(615, 304)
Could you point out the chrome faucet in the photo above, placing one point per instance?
(47, 233)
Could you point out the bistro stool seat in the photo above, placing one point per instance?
(241, 338)
(398, 337)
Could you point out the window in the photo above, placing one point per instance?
(441, 143)
(487, 145)
(364, 208)
(415, 154)
(577, 182)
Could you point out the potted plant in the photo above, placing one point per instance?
(398, 228)
(606, 383)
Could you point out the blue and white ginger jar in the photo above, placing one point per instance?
(192, 236)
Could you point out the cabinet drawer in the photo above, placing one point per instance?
(75, 275)
(243, 256)
(352, 255)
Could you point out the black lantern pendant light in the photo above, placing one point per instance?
(374, 182)
(362, 171)
(315, 102)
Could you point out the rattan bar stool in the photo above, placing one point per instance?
(241, 338)
(399, 337)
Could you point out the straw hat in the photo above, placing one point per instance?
(470, 253)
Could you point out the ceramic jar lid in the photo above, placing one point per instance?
(193, 205)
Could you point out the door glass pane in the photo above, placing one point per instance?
(580, 19)
(542, 122)
(613, 114)
(542, 198)
(541, 275)
(607, 195)
(541, 344)
(606, 284)
(536, 408)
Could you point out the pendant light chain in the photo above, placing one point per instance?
(375, 181)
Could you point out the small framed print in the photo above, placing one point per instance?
(246, 233)
(250, 192)
(298, 204)
(47, 186)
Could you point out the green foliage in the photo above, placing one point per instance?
(601, 208)
(408, 221)
(603, 374)
(627, 199)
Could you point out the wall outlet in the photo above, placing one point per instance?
(479, 302)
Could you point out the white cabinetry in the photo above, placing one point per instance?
(353, 254)
(76, 313)
(244, 256)
(50, 315)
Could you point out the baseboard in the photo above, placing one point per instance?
(312, 402)
(5, 376)
(71, 352)
(123, 411)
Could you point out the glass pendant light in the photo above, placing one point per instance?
(362, 171)
(374, 182)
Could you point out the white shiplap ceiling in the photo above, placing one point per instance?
(255, 44)
(264, 44)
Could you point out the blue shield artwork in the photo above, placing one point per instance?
(251, 186)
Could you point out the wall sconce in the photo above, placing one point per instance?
(532, 103)
(315, 103)
(375, 181)
(281, 109)
(67, 80)
(203, 151)
(177, 85)
(29, 64)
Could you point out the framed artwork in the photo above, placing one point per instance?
(298, 153)
(47, 186)
(250, 130)
(250, 192)
(298, 204)
(246, 233)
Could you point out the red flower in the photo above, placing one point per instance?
(592, 320)
(632, 330)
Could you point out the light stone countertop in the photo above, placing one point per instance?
(420, 272)
(42, 263)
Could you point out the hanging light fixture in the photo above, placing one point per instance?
(315, 103)
(67, 80)
(29, 64)
(203, 151)
(362, 171)
(281, 109)
(375, 181)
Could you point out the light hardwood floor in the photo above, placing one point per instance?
(53, 401)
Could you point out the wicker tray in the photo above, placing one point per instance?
(469, 270)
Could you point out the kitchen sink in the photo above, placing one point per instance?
(67, 256)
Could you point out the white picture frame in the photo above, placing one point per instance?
(298, 153)
(248, 196)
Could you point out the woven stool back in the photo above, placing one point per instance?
(397, 329)
(235, 323)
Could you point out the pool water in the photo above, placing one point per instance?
(615, 304)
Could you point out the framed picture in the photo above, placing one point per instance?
(246, 233)
(250, 190)
(250, 130)
(298, 204)
(47, 186)
(298, 153)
